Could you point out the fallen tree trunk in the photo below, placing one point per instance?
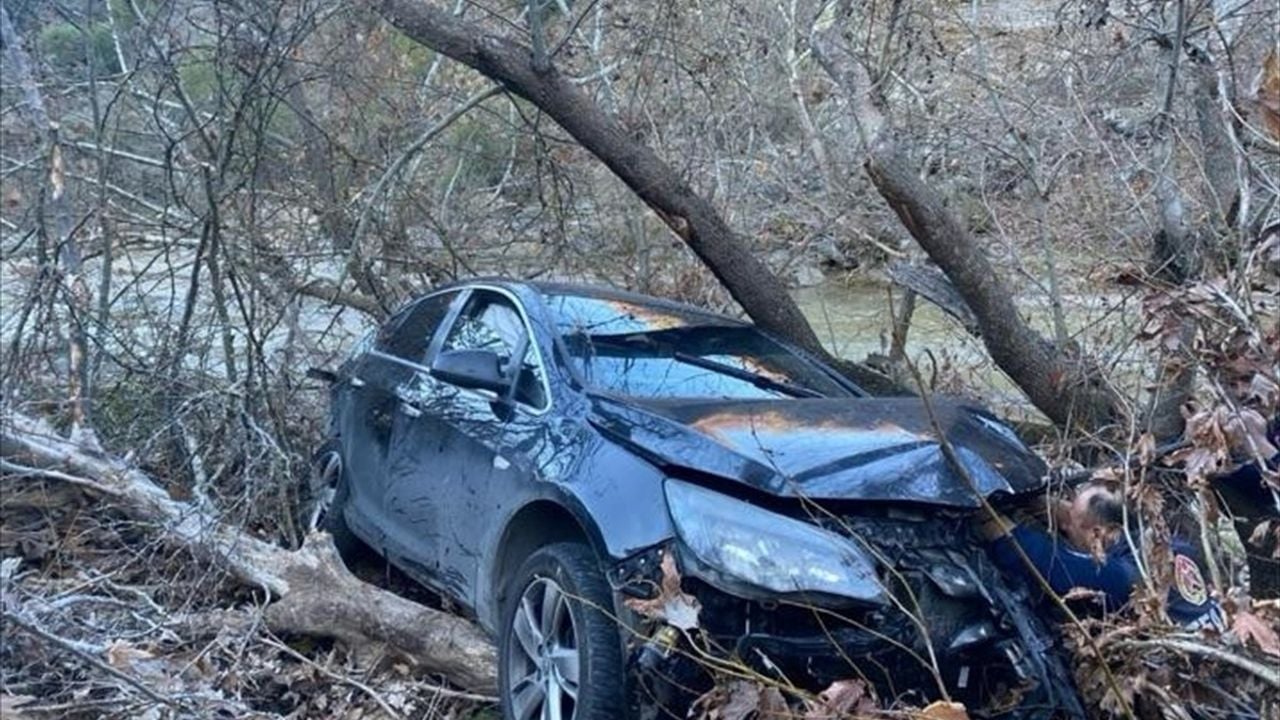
(311, 590)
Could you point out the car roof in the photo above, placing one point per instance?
(600, 292)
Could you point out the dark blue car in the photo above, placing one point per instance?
(538, 454)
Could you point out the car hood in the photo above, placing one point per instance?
(878, 449)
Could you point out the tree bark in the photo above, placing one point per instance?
(1056, 380)
(311, 590)
(18, 66)
(1063, 387)
(1217, 147)
(760, 293)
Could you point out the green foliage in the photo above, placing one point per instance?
(65, 48)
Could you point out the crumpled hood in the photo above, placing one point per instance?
(881, 449)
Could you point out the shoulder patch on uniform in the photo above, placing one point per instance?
(1188, 580)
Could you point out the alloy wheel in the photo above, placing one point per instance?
(325, 486)
(542, 652)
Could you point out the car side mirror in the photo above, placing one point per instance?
(472, 369)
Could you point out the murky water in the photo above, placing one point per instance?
(854, 319)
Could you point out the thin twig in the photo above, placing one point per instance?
(72, 647)
(1269, 675)
(26, 471)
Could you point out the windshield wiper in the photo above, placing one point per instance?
(760, 381)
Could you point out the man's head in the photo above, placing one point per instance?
(1092, 519)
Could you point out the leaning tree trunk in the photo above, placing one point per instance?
(530, 74)
(760, 293)
(1063, 386)
(311, 591)
(1058, 381)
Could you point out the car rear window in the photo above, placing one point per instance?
(653, 351)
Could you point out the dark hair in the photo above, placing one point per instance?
(1107, 508)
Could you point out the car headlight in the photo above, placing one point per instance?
(768, 550)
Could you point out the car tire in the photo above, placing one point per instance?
(331, 493)
(559, 644)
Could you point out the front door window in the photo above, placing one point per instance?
(491, 322)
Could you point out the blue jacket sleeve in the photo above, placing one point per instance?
(1064, 567)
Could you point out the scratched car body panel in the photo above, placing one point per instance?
(491, 417)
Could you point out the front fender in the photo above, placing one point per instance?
(613, 501)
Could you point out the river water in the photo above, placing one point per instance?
(853, 319)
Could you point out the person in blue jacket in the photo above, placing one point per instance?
(1094, 519)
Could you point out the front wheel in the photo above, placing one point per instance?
(560, 655)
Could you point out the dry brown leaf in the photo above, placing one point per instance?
(840, 699)
(672, 605)
(1262, 390)
(122, 654)
(1246, 431)
(942, 710)
(738, 700)
(1267, 93)
(1146, 448)
(1248, 626)
(773, 705)
(743, 702)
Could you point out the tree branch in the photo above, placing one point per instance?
(312, 591)
(760, 293)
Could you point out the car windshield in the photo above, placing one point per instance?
(652, 351)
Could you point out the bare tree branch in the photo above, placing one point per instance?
(694, 220)
(313, 592)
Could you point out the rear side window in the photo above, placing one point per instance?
(408, 335)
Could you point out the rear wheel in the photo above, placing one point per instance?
(560, 655)
(329, 500)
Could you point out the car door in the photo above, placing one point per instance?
(460, 464)
(366, 438)
(379, 379)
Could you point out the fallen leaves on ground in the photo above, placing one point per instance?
(1248, 626)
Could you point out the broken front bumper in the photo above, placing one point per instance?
(952, 626)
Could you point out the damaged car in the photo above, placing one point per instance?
(636, 496)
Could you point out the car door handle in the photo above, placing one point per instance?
(410, 410)
(356, 381)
